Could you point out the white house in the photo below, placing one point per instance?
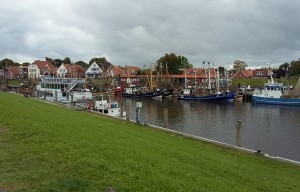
(70, 70)
(61, 71)
(94, 71)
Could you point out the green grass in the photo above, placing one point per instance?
(50, 148)
(256, 83)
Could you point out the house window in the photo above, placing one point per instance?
(259, 73)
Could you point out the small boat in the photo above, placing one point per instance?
(248, 92)
(276, 94)
(240, 95)
(109, 108)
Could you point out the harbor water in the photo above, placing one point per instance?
(274, 130)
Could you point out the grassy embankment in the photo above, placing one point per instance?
(46, 147)
(256, 83)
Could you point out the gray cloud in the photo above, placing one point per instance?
(133, 31)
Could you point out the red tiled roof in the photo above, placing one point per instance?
(14, 70)
(76, 67)
(130, 70)
(43, 64)
(243, 73)
(79, 68)
(117, 70)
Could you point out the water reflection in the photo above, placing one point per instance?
(272, 129)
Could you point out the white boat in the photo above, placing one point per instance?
(64, 90)
(109, 108)
(275, 93)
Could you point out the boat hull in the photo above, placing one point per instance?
(276, 101)
(225, 97)
(143, 95)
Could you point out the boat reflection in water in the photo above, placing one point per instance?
(272, 129)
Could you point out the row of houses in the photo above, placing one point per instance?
(39, 68)
(127, 75)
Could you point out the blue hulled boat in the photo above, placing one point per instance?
(277, 94)
(216, 97)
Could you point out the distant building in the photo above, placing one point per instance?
(23, 72)
(38, 68)
(70, 70)
(94, 71)
(257, 74)
(13, 72)
(129, 77)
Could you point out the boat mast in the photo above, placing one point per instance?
(185, 80)
(195, 78)
(150, 83)
(209, 84)
(271, 75)
(217, 79)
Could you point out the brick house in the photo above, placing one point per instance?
(38, 68)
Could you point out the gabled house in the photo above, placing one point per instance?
(129, 77)
(38, 68)
(256, 73)
(94, 71)
(261, 73)
(70, 70)
(243, 74)
(130, 70)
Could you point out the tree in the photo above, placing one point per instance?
(50, 60)
(67, 60)
(172, 64)
(57, 62)
(25, 64)
(82, 64)
(239, 65)
(294, 69)
(281, 71)
(7, 62)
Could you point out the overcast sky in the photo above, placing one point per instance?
(131, 32)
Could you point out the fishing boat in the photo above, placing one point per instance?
(277, 94)
(64, 90)
(144, 92)
(217, 96)
(148, 91)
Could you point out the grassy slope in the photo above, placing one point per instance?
(45, 147)
(260, 82)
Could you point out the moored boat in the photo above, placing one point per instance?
(63, 90)
(216, 97)
(137, 92)
(111, 108)
(276, 94)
